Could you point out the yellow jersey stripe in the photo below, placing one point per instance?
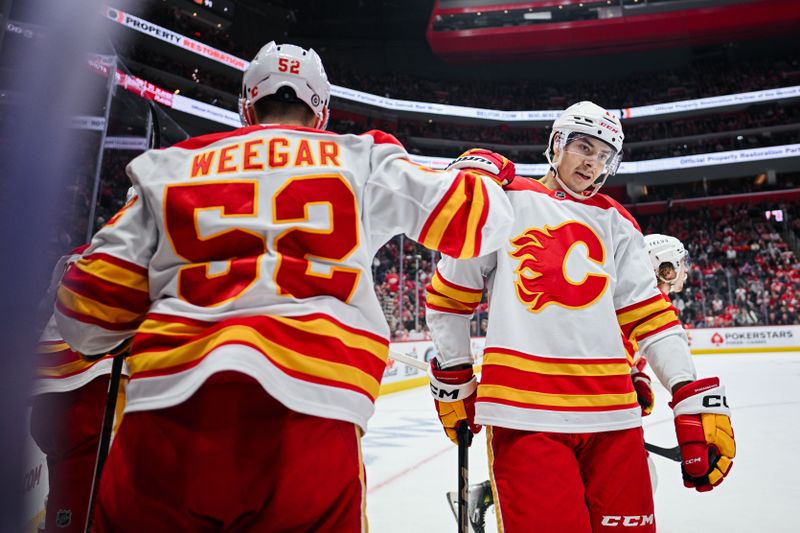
(112, 273)
(456, 294)
(448, 303)
(439, 225)
(67, 368)
(635, 315)
(555, 368)
(323, 327)
(52, 348)
(282, 355)
(488, 392)
(654, 323)
(86, 306)
(476, 210)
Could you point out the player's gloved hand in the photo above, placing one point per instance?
(644, 389)
(454, 391)
(487, 163)
(703, 426)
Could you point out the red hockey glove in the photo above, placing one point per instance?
(703, 426)
(644, 389)
(454, 393)
(486, 163)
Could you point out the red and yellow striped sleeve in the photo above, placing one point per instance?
(454, 227)
(644, 319)
(105, 291)
(448, 297)
(631, 347)
(55, 359)
(524, 380)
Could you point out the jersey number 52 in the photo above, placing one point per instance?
(243, 248)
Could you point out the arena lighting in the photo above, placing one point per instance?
(148, 90)
(541, 15)
(430, 108)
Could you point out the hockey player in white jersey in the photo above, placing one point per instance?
(68, 401)
(244, 273)
(670, 261)
(563, 422)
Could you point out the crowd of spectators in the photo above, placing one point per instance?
(711, 133)
(743, 272)
(719, 187)
(752, 127)
(749, 128)
(711, 76)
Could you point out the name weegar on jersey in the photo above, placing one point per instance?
(251, 251)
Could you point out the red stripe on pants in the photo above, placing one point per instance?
(231, 458)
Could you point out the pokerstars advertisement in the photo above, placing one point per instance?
(701, 341)
(753, 339)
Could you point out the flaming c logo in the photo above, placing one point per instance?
(541, 274)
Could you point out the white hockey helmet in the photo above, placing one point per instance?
(285, 65)
(667, 249)
(586, 119)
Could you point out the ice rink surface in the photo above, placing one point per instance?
(411, 464)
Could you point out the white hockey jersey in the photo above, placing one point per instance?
(572, 280)
(251, 251)
(58, 367)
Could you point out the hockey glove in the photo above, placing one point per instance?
(486, 163)
(454, 393)
(644, 389)
(703, 426)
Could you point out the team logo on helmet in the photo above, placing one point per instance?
(315, 100)
(541, 276)
(254, 92)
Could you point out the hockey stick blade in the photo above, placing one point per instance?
(673, 454)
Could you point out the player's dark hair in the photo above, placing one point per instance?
(281, 107)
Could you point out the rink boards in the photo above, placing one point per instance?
(398, 377)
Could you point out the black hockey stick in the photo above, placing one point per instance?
(464, 440)
(105, 432)
(116, 367)
(673, 454)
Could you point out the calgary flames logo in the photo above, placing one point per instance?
(542, 271)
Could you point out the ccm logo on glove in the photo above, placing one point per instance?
(446, 394)
(713, 400)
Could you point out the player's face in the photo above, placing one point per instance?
(582, 162)
(674, 279)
